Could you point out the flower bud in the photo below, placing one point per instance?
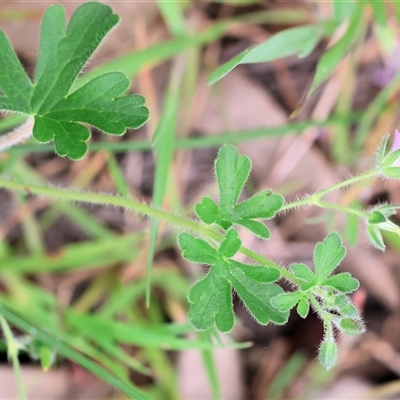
(351, 326)
(328, 353)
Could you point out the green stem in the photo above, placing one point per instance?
(112, 200)
(348, 210)
(317, 307)
(137, 207)
(12, 351)
(315, 199)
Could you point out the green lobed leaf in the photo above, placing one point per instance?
(231, 244)
(258, 228)
(343, 282)
(69, 137)
(207, 210)
(231, 171)
(264, 205)
(284, 302)
(307, 286)
(345, 307)
(256, 272)
(301, 271)
(197, 250)
(211, 300)
(327, 256)
(225, 318)
(303, 308)
(88, 26)
(97, 103)
(63, 52)
(256, 297)
(52, 30)
(15, 86)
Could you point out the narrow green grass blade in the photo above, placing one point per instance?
(11, 121)
(81, 256)
(300, 40)
(342, 9)
(155, 336)
(224, 69)
(287, 374)
(163, 143)
(379, 11)
(332, 56)
(67, 351)
(371, 112)
(97, 354)
(79, 216)
(396, 6)
(108, 353)
(209, 364)
(32, 233)
(171, 282)
(162, 364)
(117, 176)
(207, 141)
(172, 13)
(132, 63)
(89, 224)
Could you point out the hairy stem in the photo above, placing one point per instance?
(139, 208)
(18, 135)
(315, 199)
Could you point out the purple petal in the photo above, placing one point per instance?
(396, 141)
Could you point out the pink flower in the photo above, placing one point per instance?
(396, 146)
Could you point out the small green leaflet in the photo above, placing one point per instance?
(300, 40)
(63, 52)
(232, 172)
(327, 256)
(211, 297)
